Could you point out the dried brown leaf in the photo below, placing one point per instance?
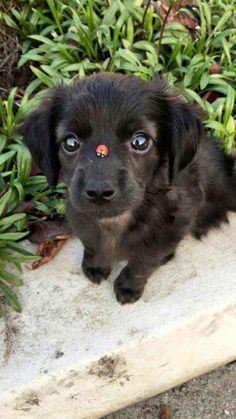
(48, 249)
(211, 96)
(165, 412)
(175, 14)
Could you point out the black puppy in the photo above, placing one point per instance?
(139, 170)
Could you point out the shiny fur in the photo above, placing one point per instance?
(183, 184)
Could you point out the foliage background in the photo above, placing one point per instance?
(190, 43)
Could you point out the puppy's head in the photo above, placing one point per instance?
(138, 122)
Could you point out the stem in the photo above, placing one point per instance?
(162, 30)
(145, 13)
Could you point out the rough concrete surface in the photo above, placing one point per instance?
(75, 352)
(211, 396)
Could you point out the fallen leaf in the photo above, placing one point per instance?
(48, 249)
(211, 96)
(165, 412)
(189, 21)
(175, 14)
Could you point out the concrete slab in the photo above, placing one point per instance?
(76, 353)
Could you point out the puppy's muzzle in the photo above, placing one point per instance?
(100, 192)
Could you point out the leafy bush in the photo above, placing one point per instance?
(19, 191)
(192, 47)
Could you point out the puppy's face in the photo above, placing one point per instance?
(106, 185)
(135, 120)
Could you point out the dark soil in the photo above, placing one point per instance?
(10, 49)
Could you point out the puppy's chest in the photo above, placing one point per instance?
(112, 231)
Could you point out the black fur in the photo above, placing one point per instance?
(183, 184)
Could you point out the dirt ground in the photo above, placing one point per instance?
(211, 396)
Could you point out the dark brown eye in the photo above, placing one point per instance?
(140, 142)
(71, 143)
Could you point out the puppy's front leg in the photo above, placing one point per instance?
(130, 283)
(92, 268)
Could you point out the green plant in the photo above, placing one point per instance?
(16, 186)
(15, 166)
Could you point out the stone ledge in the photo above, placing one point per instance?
(76, 353)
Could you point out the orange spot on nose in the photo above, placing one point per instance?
(102, 150)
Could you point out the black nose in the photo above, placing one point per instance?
(100, 192)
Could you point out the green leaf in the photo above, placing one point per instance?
(10, 257)
(204, 80)
(9, 21)
(6, 156)
(43, 40)
(191, 95)
(226, 47)
(16, 247)
(42, 76)
(10, 277)
(217, 126)
(13, 236)
(223, 19)
(6, 222)
(19, 188)
(23, 164)
(5, 200)
(30, 56)
(54, 11)
(229, 104)
(10, 296)
(109, 15)
(3, 140)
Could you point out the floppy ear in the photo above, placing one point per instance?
(186, 131)
(38, 131)
(181, 130)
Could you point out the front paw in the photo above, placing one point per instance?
(125, 293)
(95, 274)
